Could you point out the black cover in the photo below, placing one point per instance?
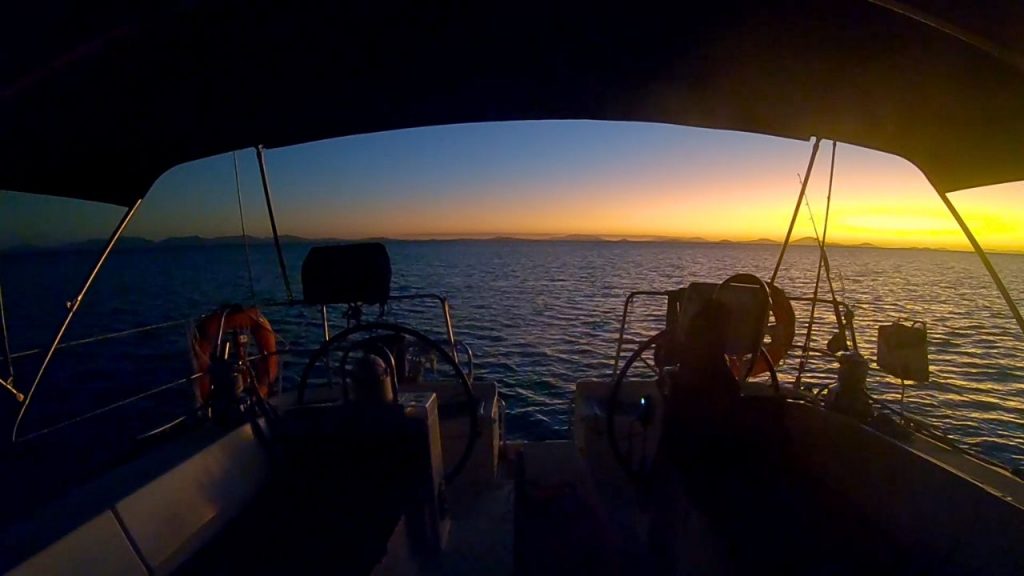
(347, 274)
(903, 351)
(97, 100)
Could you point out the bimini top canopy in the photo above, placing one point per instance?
(96, 103)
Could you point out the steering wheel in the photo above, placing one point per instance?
(368, 346)
(342, 342)
(636, 471)
(759, 359)
(423, 358)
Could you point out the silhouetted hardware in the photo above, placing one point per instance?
(903, 351)
(347, 274)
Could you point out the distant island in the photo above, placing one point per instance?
(133, 242)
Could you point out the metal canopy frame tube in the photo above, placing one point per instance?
(946, 27)
(72, 308)
(796, 209)
(273, 221)
(984, 260)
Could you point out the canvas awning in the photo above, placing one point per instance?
(97, 102)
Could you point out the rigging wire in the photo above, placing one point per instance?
(73, 306)
(121, 333)
(3, 334)
(107, 408)
(9, 382)
(104, 337)
(796, 209)
(125, 401)
(57, 345)
(821, 260)
(245, 237)
(824, 259)
(841, 320)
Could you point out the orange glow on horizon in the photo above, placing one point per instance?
(867, 210)
(604, 179)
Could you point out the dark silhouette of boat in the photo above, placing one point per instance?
(695, 457)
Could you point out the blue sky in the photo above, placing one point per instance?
(519, 177)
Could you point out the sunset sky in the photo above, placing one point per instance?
(568, 177)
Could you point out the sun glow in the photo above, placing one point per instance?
(608, 179)
(877, 199)
(911, 217)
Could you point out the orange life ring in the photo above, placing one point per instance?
(780, 334)
(206, 339)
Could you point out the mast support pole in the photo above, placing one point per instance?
(984, 260)
(72, 308)
(796, 209)
(273, 221)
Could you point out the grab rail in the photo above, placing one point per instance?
(625, 316)
(441, 300)
(103, 337)
(667, 293)
(119, 403)
(445, 308)
(108, 408)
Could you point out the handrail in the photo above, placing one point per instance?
(632, 295)
(819, 300)
(125, 401)
(104, 337)
(445, 310)
(107, 408)
(927, 430)
(72, 308)
(442, 300)
(625, 317)
(241, 218)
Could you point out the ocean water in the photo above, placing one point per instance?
(539, 316)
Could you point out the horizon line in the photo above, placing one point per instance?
(426, 237)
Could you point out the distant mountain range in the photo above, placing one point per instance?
(133, 242)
